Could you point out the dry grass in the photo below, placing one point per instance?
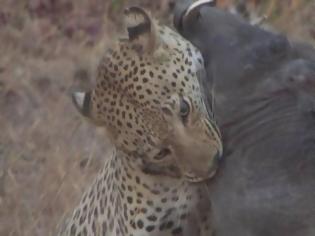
(293, 17)
(48, 154)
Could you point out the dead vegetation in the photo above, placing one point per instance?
(49, 47)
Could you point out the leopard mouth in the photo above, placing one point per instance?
(162, 164)
(193, 178)
(162, 154)
(172, 170)
(175, 171)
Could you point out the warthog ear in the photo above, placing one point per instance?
(141, 30)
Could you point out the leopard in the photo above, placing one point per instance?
(167, 144)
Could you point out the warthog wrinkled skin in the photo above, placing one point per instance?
(264, 90)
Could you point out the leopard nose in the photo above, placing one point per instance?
(213, 165)
(218, 156)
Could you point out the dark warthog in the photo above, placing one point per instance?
(264, 90)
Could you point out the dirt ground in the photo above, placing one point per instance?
(48, 48)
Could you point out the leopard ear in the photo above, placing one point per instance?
(141, 30)
(81, 101)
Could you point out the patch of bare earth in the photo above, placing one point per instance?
(48, 153)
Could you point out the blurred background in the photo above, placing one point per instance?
(48, 48)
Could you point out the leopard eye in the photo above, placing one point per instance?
(184, 108)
